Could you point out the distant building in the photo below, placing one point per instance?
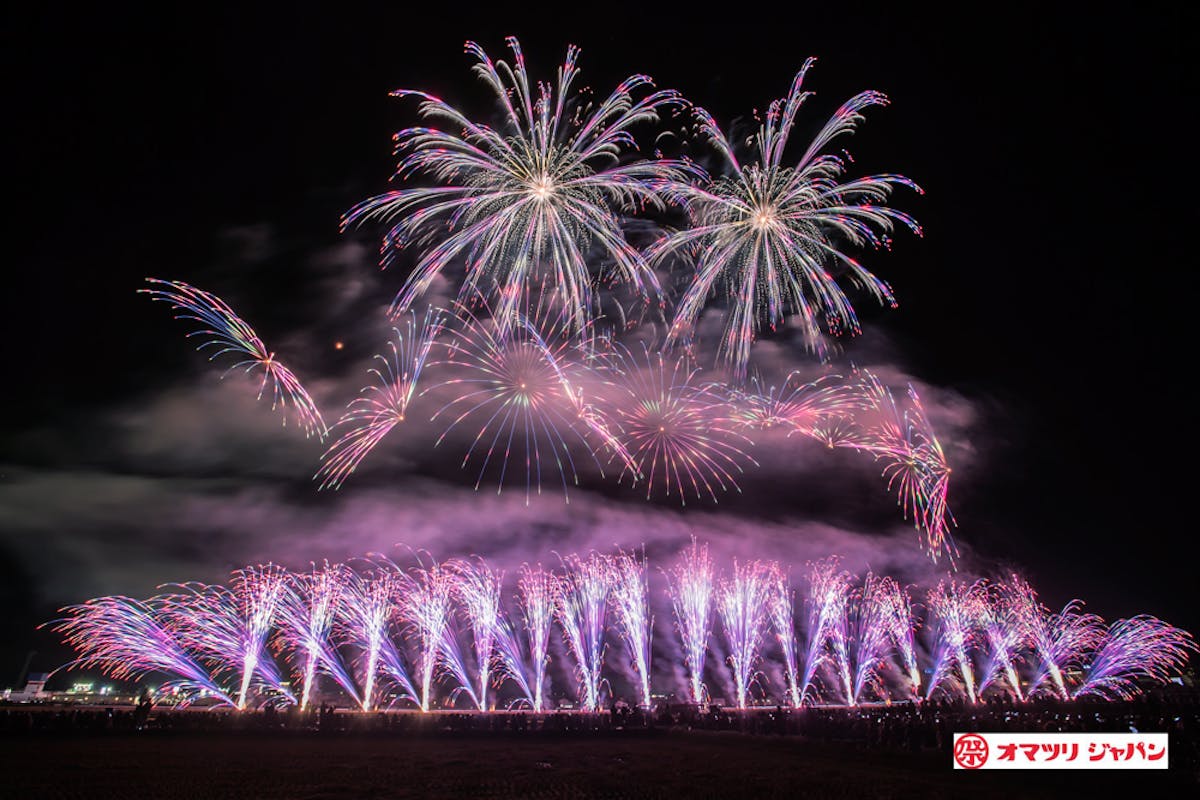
(34, 691)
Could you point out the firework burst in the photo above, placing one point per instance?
(529, 200)
(770, 237)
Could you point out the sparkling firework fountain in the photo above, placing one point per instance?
(425, 608)
(902, 623)
(368, 610)
(1061, 641)
(691, 587)
(956, 609)
(536, 592)
(631, 601)
(307, 610)
(871, 634)
(581, 603)
(742, 602)
(478, 590)
(782, 607)
(1004, 623)
(1139, 647)
(829, 593)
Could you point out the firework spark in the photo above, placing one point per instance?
(581, 603)
(631, 601)
(691, 587)
(308, 608)
(742, 603)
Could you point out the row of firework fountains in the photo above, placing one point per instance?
(389, 636)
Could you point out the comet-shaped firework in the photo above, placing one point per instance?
(1139, 647)
(126, 639)
(742, 602)
(528, 200)
(307, 609)
(581, 603)
(381, 407)
(678, 431)
(691, 584)
(631, 602)
(769, 236)
(222, 331)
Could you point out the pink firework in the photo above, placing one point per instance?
(581, 605)
(381, 407)
(1139, 648)
(631, 601)
(678, 433)
(691, 585)
(478, 589)
(1004, 625)
(782, 610)
(225, 332)
(368, 612)
(796, 406)
(424, 605)
(871, 629)
(956, 609)
(310, 604)
(828, 602)
(1061, 641)
(742, 604)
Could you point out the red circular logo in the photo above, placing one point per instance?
(970, 751)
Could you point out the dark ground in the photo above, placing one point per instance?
(661, 764)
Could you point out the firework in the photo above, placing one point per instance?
(782, 607)
(829, 594)
(795, 406)
(1060, 641)
(956, 609)
(228, 627)
(225, 332)
(512, 385)
(425, 608)
(367, 612)
(769, 236)
(872, 633)
(678, 432)
(691, 588)
(127, 640)
(307, 610)
(537, 589)
(631, 601)
(1006, 617)
(902, 623)
(742, 602)
(529, 199)
(1142, 647)
(380, 408)
(478, 590)
(581, 603)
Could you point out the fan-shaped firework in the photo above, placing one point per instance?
(514, 387)
(1060, 641)
(424, 607)
(1004, 623)
(308, 608)
(797, 406)
(871, 630)
(379, 408)
(126, 639)
(537, 590)
(742, 601)
(530, 199)
(772, 237)
(956, 609)
(478, 590)
(1139, 647)
(225, 331)
(677, 432)
(368, 611)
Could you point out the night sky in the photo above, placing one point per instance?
(1044, 314)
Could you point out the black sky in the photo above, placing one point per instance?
(1053, 288)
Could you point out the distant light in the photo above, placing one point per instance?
(339, 345)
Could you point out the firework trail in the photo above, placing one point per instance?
(307, 609)
(742, 603)
(914, 464)
(871, 628)
(1004, 622)
(425, 608)
(631, 601)
(527, 200)
(380, 408)
(828, 601)
(691, 584)
(956, 609)
(798, 407)
(226, 332)
(514, 389)
(369, 605)
(1135, 648)
(768, 236)
(228, 626)
(678, 433)
(127, 640)
(1061, 641)
(782, 611)
(478, 590)
(581, 602)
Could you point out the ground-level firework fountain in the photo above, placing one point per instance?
(382, 635)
